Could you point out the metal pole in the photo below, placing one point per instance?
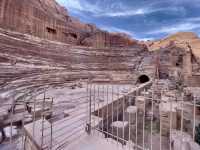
(129, 128)
(152, 117)
(98, 109)
(23, 130)
(51, 125)
(34, 115)
(170, 132)
(42, 115)
(144, 123)
(112, 109)
(90, 110)
(194, 118)
(136, 126)
(182, 113)
(161, 126)
(123, 107)
(118, 114)
(11, 124)
(88, 127)
(94, 105)
(107, 98)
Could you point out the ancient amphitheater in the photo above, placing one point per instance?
(69, 85)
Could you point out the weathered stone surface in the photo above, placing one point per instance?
(101, 39)
(41, 46)
(178, 57)
(30, 64)
(46, 19)
(180, 39)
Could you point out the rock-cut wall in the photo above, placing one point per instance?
(29, 64)
(46, 19)
(39, 19)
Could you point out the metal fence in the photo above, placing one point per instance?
(43, 123)
(145, 118)
(138, 117)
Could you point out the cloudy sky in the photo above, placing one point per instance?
(142, 19)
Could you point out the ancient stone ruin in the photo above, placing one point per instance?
(69, 85)
(46, 19)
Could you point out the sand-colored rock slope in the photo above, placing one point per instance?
(181, 39)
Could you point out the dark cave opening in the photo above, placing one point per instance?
(51, 30)
(143, 79)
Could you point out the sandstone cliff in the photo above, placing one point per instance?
(46, 19)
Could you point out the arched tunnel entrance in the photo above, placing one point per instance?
(143, 79)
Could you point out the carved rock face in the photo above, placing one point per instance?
(46, 19)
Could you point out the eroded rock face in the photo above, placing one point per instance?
(41, 18)
(29, 64)
(46, 19)
(105, 39)
(181, 40)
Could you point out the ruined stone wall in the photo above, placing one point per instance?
(178, 63)
(117, 105)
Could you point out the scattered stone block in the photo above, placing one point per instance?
(130, 114)
(120, 129)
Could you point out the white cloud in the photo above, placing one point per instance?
(74, 4)
(79, 5)
(139, 11)
(115, 9)
(124, 13)
(146, 39)
(176, 28)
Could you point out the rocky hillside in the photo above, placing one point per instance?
(181, 39)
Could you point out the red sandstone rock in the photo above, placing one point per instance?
(46, 19)
(180, 39)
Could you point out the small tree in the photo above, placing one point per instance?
(197, 135)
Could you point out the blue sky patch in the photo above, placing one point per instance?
(141, 19)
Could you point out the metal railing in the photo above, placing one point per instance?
(53, 124)
(138, 117)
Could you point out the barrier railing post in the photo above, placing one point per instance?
(88, 126)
